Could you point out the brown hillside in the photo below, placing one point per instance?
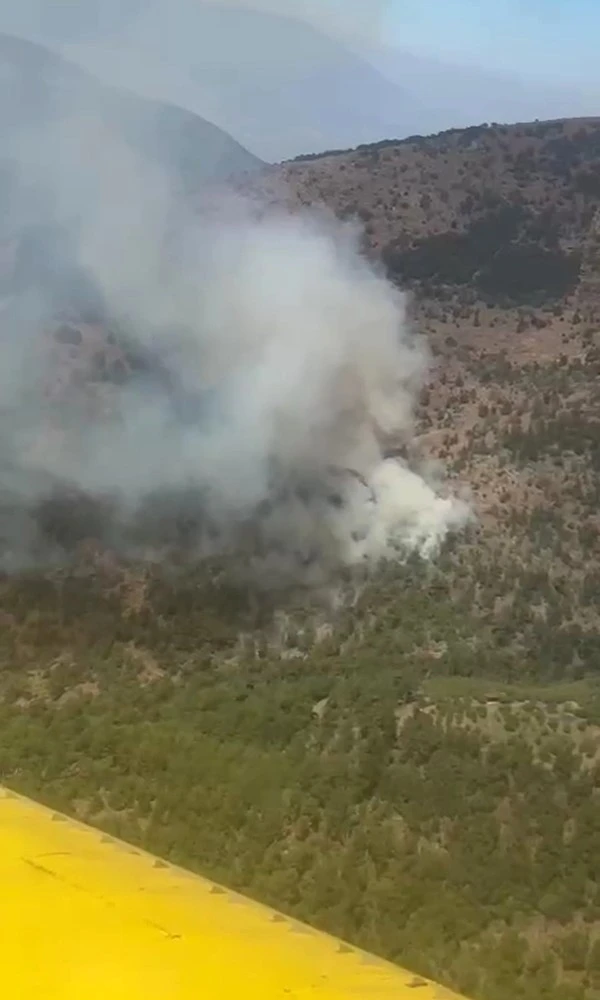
(497, 212)
(495, 230)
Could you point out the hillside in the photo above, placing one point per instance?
(44, 98)
(496, 212)
(413, 765)
(342, 767)
(495, 232)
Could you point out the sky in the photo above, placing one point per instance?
(357, 21)
(552, 39)
(555, 40)
(538, 59)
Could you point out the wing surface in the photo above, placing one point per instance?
(86, 917)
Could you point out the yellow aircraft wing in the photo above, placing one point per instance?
(86, 917)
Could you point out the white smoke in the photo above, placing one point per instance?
(294, 349)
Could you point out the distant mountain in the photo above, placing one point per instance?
(64, 21)
(92, 179)
(277, 83)
(41, 90)
(453, 96)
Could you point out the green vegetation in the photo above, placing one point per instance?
(462, 705)
(353, 776)
(417, 770)
(502, 214)
(459, 136)
(507, 254)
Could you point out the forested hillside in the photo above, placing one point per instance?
(414, 765)
(409, 773)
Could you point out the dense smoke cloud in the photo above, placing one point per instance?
(254, 369)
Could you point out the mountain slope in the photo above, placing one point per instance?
(280, 85)
(498, 213)
(495, 233)
(41, 91)
(93, 183)
(405, 772)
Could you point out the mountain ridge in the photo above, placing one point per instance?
(285, 87)
(42, 88)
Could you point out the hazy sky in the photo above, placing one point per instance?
(552, 39)
(538, 59)
(555, 39)
(353, 20)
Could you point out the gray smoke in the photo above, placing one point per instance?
(274, 366)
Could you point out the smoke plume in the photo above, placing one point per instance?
(223, 380)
